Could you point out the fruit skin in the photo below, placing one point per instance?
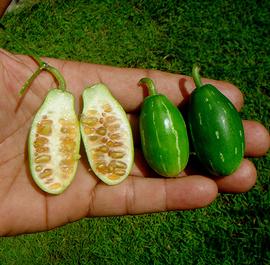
(216, 130)
(164, 136)
(93, 97)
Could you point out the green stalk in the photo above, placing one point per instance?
(31, 79)
(44, 66)
(59, 77)
(196, 75)
(149, 84)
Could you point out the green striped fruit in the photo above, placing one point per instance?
(216, 129)
(163, 133)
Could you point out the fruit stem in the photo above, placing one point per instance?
(42, 66)
(196, 76)
(59, 77)
(149, 84)
(31, 79)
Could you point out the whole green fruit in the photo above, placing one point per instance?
(163, 133)
(216, 129)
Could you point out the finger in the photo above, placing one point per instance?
(242, 180)
(140, 167)
(146, 195)
(257, 139)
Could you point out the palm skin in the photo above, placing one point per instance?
(24, 208)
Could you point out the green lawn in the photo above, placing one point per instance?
(231, 40)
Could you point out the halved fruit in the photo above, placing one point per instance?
(54, 142)
(106, 135)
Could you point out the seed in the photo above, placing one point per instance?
(67, 140)
(111, 166)
(38, 168)
(118, 164)
(88, 130)
(110, 119)
(43, 159)
(93, 137)
(67, 145)
(101, 120)
(40, 149)
(113, 177)
(55, 186)
(107, 108)
(44, 127)
(114, 144)
(98, 156)
(110, 143)
(90, 121)
(104, 140)
(68, 129)
(102, 168)
(101, 131)
(103, 149)
(115, 154)
(67, 162)
(117, 144)
(40, 141)
(66, 122)
(92, 112)
(114, 127)
(101, 165)
(45, 173)
(115, 136)
(119, 172)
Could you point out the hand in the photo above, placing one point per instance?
(3, 6)
(24, 208)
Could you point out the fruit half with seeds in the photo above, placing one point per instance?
(163, 133)
(216, 129)
(54, 138)
(106, 135)
(54, 142)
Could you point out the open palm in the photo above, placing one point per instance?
(24, 208)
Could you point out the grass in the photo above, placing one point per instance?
(230, 39)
